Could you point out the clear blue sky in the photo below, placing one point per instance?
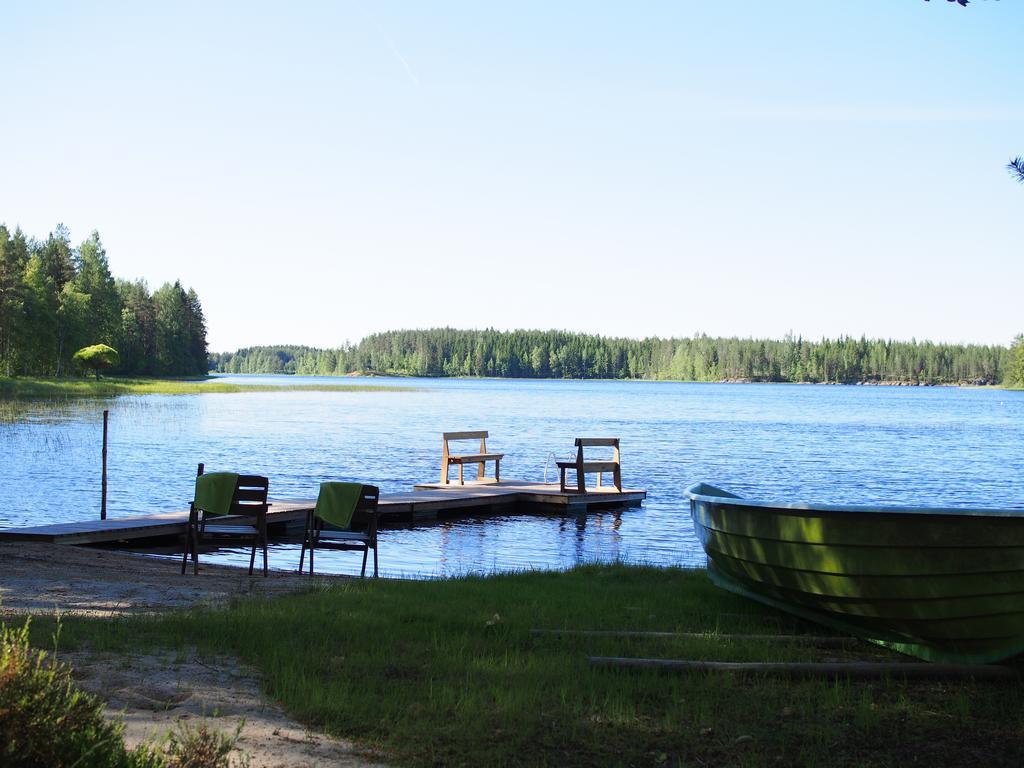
(318, 171)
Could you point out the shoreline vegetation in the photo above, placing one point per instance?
(37, 388)
(448, 672)
(447, 352)
(28, 388)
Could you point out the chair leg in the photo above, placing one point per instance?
(188, 548)
(266, 565)
(312, 546)
(193, 546)
(362, 573)
(252, 556)
(375, 561)
(307, 543)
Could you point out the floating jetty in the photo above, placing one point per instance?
(426, 502)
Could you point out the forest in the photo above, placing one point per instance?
(565, 355)
(56, 299)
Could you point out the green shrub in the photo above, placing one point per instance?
(96, 358)
(47, 722)
(201, 747)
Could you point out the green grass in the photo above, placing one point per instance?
(36, 388)
(447, 673)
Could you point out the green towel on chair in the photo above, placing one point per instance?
(215, 491)
(337, 503)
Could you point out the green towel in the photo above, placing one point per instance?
(215, 491)
(337, 502)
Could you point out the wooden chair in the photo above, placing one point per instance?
(249, 500)
(480, 459)
(582, 466)
(352, 525)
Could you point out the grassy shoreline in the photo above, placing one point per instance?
(28, 388)
(372, 374)
(447, 673)
(39, 388)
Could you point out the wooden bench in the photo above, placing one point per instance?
(480, 459)
(582, 466)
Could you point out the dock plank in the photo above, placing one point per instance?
(425, 501)
(544, 493)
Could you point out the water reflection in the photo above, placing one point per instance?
(471, 545)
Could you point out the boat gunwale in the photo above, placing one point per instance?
(694, 492)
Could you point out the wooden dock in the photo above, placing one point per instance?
(151, 526)
(425, 502)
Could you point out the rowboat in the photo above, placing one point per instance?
(940, 584)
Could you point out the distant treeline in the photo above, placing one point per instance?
(55, 299)
(562, 355)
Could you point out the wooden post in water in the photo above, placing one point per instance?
(103, 481)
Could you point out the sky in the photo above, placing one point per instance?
(321, 171)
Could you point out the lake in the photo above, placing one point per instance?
(857, 444)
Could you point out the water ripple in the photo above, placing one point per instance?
(864, 445)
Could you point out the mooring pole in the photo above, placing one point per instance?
(103, 481)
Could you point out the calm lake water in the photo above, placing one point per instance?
(893, 445)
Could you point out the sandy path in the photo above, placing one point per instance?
(49, 578)
(154, 692)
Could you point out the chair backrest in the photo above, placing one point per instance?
(366, 509)
(363, 511)
(595, 442)
(480, 435)
(250, 494)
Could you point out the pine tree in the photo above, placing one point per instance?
(13, 256)
(1015, 369)
(73, 326)
(94, 279)
(39, 340)
(172, 330)
(136, 333)
(197, 357)
(58, 258)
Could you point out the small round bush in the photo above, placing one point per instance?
(96, 358)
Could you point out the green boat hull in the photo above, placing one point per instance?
(940, 584)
